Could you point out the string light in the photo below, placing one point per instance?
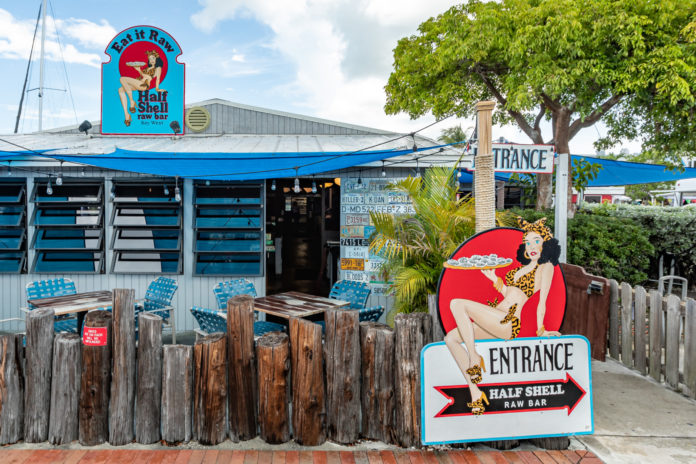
(296, 188)
(59, 180)
(384, 171)
(9, 168)
(207, 182)
(273, 185)
(177, 191)
(360, 177)
(415, 147)
(166, 190)
(418, 173)
(82, 172)
(49, 189)
(314, 187)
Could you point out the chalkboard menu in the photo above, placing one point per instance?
(358, 198)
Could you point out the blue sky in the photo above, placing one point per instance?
(324, 58)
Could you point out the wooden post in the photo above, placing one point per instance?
(639, 342)
(485, 169)
(342, 355)
(273, 355)
(690, 347)
(672, 336)
(149, 389)
(11, 389)
(438, 334)
(210, 389)
(626, 324)
(308, 403)
(177, 393)
(95, 384)
(413, 332)
(614, 319)
(377, 390)
(39, 357)
(656, 335)
(122, 401)
(242, 394)
(65, 389)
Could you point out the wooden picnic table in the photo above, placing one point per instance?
(296, 304)
(77, 303)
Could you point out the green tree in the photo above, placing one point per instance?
(453, 135)
(415, 247)
(629, 63)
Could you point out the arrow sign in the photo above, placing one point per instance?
(538, 395)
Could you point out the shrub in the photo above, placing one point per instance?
(612, 247)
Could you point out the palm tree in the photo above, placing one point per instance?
(416, 246)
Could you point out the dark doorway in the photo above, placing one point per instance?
(298, 226)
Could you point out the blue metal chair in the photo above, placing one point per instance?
(354, 292)
(211, 321)
(225, 290)
(54, 287)
(158, 300)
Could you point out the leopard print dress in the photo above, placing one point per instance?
(524, 283)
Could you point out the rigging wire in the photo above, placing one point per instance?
(65, 69)
(26, 75)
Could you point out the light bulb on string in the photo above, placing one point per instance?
(166, 190)
(207, 182)
(82, 172)
(49, 189)
(177, 191)
(418, 172)
(359, 177)
(59, 180)
(273, 185)
(314, 187)
(296, 188)
(384, 171)
(9, 170)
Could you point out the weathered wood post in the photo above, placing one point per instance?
(11, 389)
(639, 342)
(672, 335)
(484, 185)
(95, 384)
(377, 388)
(242, 395)
(413, 331)
(210, 389)
(626, 324)
(690, 347)
(273, 356)
(149, 389)
(308, 396)
(39, 358)
(177, 393)
(614, 319)
(65, 389)
(122, 401)
(342, 355)
(433, 310)
(656, 335)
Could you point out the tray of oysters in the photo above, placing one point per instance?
(491, 261)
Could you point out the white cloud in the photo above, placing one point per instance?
(340, 51)
(16, 38)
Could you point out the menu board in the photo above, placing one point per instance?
(358, 199)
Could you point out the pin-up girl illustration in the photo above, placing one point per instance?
(129, 84)
(537, 254)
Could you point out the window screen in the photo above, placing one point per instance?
(228, 223)
(147, 227)
(69, 227)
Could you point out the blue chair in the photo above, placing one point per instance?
(158, 300)
(357, 294)
(225, 290)
(54, 287)
(211, 321)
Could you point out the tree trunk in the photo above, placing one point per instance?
(122, 400)
(273, 355)
(11, 390)
(242, 395)
(413, 331)
(210, 389)
(308, 403)
(377, 393)
(342, 355)
(177, 393)
(149, 389)
(39, 357)
(95, 384)
(65, 389)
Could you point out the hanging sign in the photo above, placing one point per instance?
(143, 84)
(535, 387)
(514, 157)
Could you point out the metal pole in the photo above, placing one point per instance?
(484, 185)
(561, 216)
(41, 73)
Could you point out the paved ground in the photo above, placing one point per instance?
(292, 457)
(638, 420)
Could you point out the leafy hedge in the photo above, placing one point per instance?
(613, 247)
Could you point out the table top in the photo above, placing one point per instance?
(296, 304)
(75, 303)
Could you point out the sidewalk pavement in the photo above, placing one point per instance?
(638, 420)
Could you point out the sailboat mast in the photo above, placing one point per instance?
(41, 73)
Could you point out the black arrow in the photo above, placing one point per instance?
(537, 395)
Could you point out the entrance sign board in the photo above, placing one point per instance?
(143, 84)
(513, 157)
(536, 387)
